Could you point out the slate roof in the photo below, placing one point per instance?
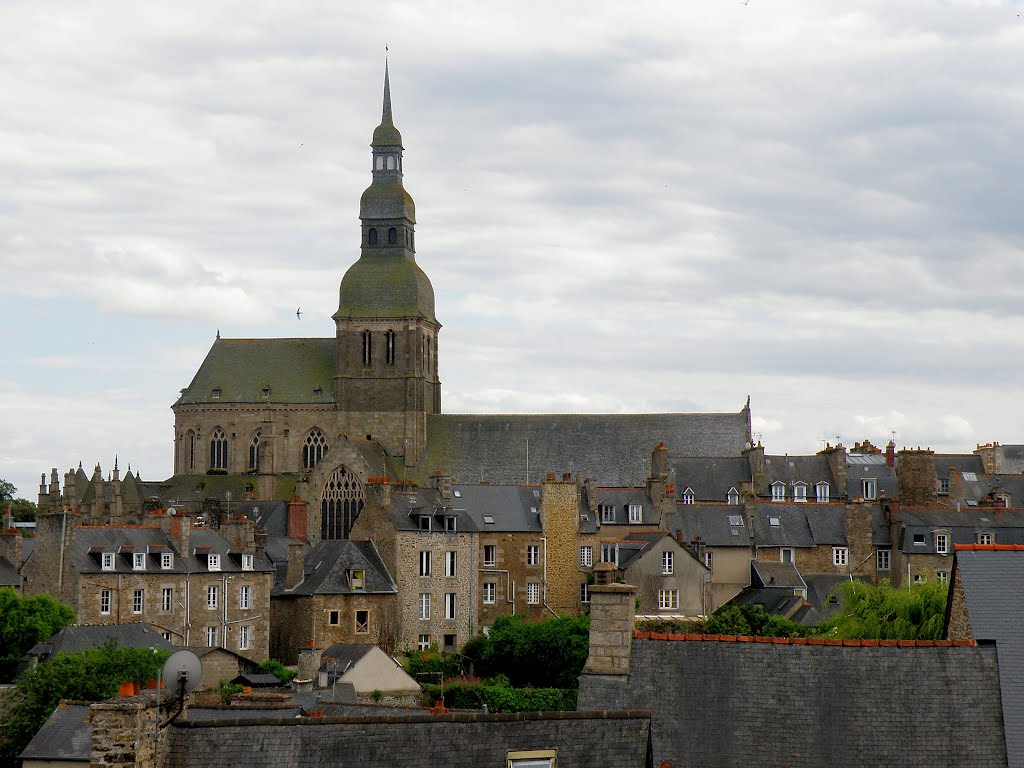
(710, 478)
(242, 368)
(767, 573)
(66, 735)
(327, 566)
(808, 469)
(257, 680)
(961, 462)
(79, 638)
(9, 576)
(993, 582)
(1007, 526)
(799, 524)
(711, 524)
(609, 447)
(344, 654)
(772, 704)
(619, 500)
(271, 516)
(987, 487)
(504, 508)
(869, 466)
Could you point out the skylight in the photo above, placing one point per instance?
(488, 519)
(458, 493)
(773, 521)
(735, 519)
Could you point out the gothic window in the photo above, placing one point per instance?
(371, 236)
(218, 449)
(392, 236)
(254, 451)
(340, 505)
(313, 449)
(389, 347)
(190, 449)
(367, 340)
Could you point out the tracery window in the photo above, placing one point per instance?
(340, 505)
(218, 449)
(313, 449)
(389, 347)
(254, 451)
(367, 347)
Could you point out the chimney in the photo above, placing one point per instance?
(240, 534)
(309, 668)
(659, 463)
(11, 546)
(758, 473)
(916, 479)
(180, 529)
(612, 609)
(296, 564)
(298, 516)
(890, 454)
(590, 486)
(836, 457)
(443, 484)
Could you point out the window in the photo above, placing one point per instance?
(139, 561)
(371, 235)
(709, 560)
(367, 347)
(489, 554)
(774, 522)
(883, 560)
(166, 560)
(424, 643)
(489, 591)
(190, 448)
(918, 539)
(799, 492)
(607, 513)
(213, 562)
(424, 563)
(736, 521)
(610, 553)
(244, 637)
(941, 544)
(389, 347)
(166, 599)
(424, 522)
(918, 578)
(840, 555)
(667, 563)
(870, 488)
(944, 485)
(732, 497)
(778, 491)
(212, 596)
(218, 449)
(786, 555)
(245, 597)
(985, 538)
(313, 448)
(254, 444)
(449, 524)
(108, 561)
(586, 556)
(532, 554)
(247, 562)
(362, 622)
(689, 497)
(215, 393)
(584, 593)
(334, 618)
(636, 513)
(822, 493)
(212, 635)
(105, 602)
(449, 643)
(449, 605)
(449, 564)
(424, 605)
(357, 579)
(392, 232)
(542, 758)
(668, 599)
(942, 576)
(533, 593)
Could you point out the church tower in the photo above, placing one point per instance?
(386, 379)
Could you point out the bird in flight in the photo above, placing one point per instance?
(298, 313)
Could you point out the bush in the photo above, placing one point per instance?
(278, 670)
(886, 612)
(545, 654)
(431, 666)
(462, 694)
(227, 690)
(25, 621)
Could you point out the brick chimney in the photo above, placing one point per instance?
(309, 668)
(890, 454)
(11, 546)
(758, 474)
(612, 609)
(296, 564)
(180, 532)
(836, 457)
(442, 482)
(298, 517)
(916, 477)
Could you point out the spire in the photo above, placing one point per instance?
(385, 115)
(386, 135)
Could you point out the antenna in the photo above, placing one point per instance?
(184, 669)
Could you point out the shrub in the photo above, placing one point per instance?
(278, 670)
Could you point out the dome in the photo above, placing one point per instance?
(385, 286)
(387, 200)
(386, 135)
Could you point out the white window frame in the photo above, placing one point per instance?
(732, 498)
(636, 513)
(212, 596)
(424, 606)
(667, 562)
(607, 513)
(213, 637)
(942, 577)
(138, 561)
(424, 563)
(799, 492)
(584, 592)
(490, 589)
(247, 562)
(784, 551)
(450, 564)
(840, 556)
(778, 491)
(166, 560)
(245, 597)
(883, 560)
(586, 556)
(668, 599)
(424, 642)
(689, 497)
(138, 601)
(535, 758)
(533, 593)
(213, 562)
(869, 487)
(942, 543)
(450, 524)
(107, 561)
(450, 601)
(167, 599)
(244, 637)
(709, 560)
(821, 493)
(986, 537)
(106, 596)
(533, 554)
(490, 555)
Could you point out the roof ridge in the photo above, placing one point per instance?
(804, 640)
(990, 547)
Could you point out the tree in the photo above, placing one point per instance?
(91, 675)
(549, 653)
(7, 491)
(22, 509)
(889, 613)
(25, 621)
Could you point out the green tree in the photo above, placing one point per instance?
(24, 511)
(752, 620)
(91, 675)
(544, 654)
(278, 670)
(888, 613)
(7, 491)
(25, 621)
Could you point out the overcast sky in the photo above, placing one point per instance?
(623, 207)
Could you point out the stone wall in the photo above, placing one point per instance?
(124, 734)
(301, 622)
(918, 484)
(43, 572)
(560, 519)
(612, 609)
(511, 574)
(958, 626)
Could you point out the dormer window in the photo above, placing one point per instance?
(918, 539)
(688, 496)
(944, 486)
(799, 492)
(166, 560)
(107, 561)
(450, 523)
(247, 562)
(265, 393)
(822, 492)
(636, 513)
(986, 537)
(357, 578)
(424, 521)
(942, 543)
(139, 561)
(733, 497)
(870, 488)
(213, 562)
(318, 391)
(215, 393)
(607, 513)
(778, 491)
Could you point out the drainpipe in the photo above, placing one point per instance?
(510, 586)
(545, 598)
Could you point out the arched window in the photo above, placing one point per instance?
(218, 449)
(392, 236)
(254, 451)
(367, 348)
(391, 162)
(190, 449)
(371, 236)
(340, 505)
(313, 449)
(389, 347)
(380, 162)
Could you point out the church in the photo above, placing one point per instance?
(317, 418)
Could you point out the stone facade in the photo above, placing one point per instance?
(560, 521)
(958, 622)
(300, 622)
(917, 479)
(612, 610)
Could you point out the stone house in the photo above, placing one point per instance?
(671, 581)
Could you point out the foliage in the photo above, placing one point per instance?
(227, 690)
(752, 620)
(90, 675)
(7, 491)
(886, 612)
(548, 653)
(25, 621)
(377, 694)
(432, 665)
(278, 670)
(24, 511)
(471, 694)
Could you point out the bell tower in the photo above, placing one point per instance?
(386, 380)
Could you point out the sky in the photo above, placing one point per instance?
(628, 207)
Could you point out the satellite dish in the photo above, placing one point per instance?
(183, 670)
(171, 510)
